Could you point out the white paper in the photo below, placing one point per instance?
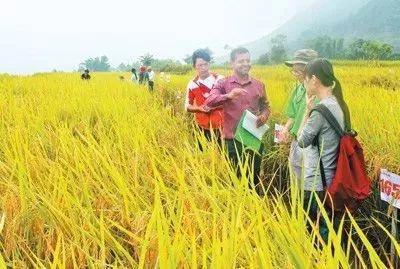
(250, 124)
(277, 133)
(389, 185)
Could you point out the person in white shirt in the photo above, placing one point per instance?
(151, 76)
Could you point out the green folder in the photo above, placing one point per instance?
(245, 137)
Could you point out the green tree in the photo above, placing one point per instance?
(211, 54)
(146, 59)
(104, 65)
(278, 50)
(263, 59)
(96, 64)
(188, 59)
(369, 50)
(356, 50)
(122, 67)
(395, 56)
(327, 47)
(386, 52)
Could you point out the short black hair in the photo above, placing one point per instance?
(236, 51)
(202, 54)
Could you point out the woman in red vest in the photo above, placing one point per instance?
(208, 120)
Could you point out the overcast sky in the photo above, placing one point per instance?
(42, 35)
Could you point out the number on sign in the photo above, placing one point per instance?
(386, 187)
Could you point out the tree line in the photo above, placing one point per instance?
(332, 48)
(326, 46)
(102, 64)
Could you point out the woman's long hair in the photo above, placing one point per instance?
(323, 70)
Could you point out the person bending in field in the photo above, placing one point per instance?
(236, 94)
(85, 75)
(134, 77)
(209, 121)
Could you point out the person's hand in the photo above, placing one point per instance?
(204, 109)
(261, 120)
(284, 135)
(310, 101)
(235, 93)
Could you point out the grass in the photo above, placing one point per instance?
(103, 173)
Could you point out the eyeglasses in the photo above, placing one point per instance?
(202, 65)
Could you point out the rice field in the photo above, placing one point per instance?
(105, 174)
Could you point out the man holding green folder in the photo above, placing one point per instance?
(237, 93)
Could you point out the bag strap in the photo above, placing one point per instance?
(327, 114)
(321, 169)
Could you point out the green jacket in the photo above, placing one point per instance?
(296, 108)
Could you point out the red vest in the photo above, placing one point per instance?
(197, 94)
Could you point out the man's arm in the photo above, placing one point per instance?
(217, 95)
(265, 109)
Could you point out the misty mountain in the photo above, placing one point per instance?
(348, 19)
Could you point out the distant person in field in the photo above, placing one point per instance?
(296, 108)
(134, 77)
(146, 77)
(150, 77)
(209, 121)
(142, 74)
(85, 75)
(318, 137)
(236, 94)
